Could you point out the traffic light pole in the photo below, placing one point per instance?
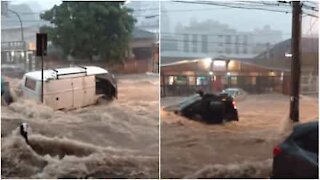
(296, 62)
(42, 54)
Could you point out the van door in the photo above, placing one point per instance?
(58, 94)
(89, 90)
(78, 92)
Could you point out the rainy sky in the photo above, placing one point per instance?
(239, 19)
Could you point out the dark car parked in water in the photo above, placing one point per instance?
(6, 97)
(297, 156)
(209, 107)
(12, 71)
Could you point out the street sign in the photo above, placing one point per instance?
(41, 44)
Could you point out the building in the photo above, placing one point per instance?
(185, 77)
(213, 39)
(278, 57)
(18, 39)
(146, 14)
(144, 52)
(267, 72)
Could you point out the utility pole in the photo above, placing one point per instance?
(295, 63)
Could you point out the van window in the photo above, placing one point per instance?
(31, 84)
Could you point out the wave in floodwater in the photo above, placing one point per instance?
(261, 169)
(117, 139)
(63, 158)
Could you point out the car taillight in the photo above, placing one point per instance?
(234, 104)
(276, 151)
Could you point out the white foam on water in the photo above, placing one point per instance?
(259, 169)
(65, 158)
(117, 139)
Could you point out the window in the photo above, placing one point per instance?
(204, 42)
(245, 50)
(171, 80)
(234, 81)
(194, 43)
(31, 84)
(192, 80)
(245, 43)
(202, 80)
(245, 39)
(186, 43)
(228, 45)
(237, 44)
(228, 39)
(228, 50)
(181, 80)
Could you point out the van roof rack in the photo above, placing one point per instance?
(64, 74)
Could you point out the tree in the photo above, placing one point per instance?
(87, 29)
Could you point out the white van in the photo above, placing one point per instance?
(69, 88)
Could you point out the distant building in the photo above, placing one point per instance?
(269, 71)
(144, 52)
(14, 50)
(215, 40)
(146, 14)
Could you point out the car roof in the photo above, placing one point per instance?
(51, 74)
(303, 128)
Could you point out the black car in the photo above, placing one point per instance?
(297, 156)
(209, 107)
(6, 97)
(12, 71)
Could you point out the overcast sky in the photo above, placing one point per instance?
(240, 19)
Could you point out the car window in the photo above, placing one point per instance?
(189, 100)
(308, 141)
(30, 83)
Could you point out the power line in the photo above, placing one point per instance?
(314, 8)
(233, 6)
(236, 6)
(191, 10)
(309, 14)
(311, 25)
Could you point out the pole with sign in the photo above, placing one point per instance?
(41, 51)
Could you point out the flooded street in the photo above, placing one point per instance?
(243, 149)
(108, 140)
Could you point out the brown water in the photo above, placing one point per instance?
(243, 149)
(116, 139)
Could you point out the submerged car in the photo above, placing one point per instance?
(235, 93)
(12, 71)
(69, 88)
(208, 107)
(6, 97)
(297, 156)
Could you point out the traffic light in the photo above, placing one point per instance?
(41, 44)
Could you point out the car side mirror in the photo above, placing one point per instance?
(201, 93)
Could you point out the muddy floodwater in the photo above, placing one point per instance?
(243, 149)
(117, 139)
